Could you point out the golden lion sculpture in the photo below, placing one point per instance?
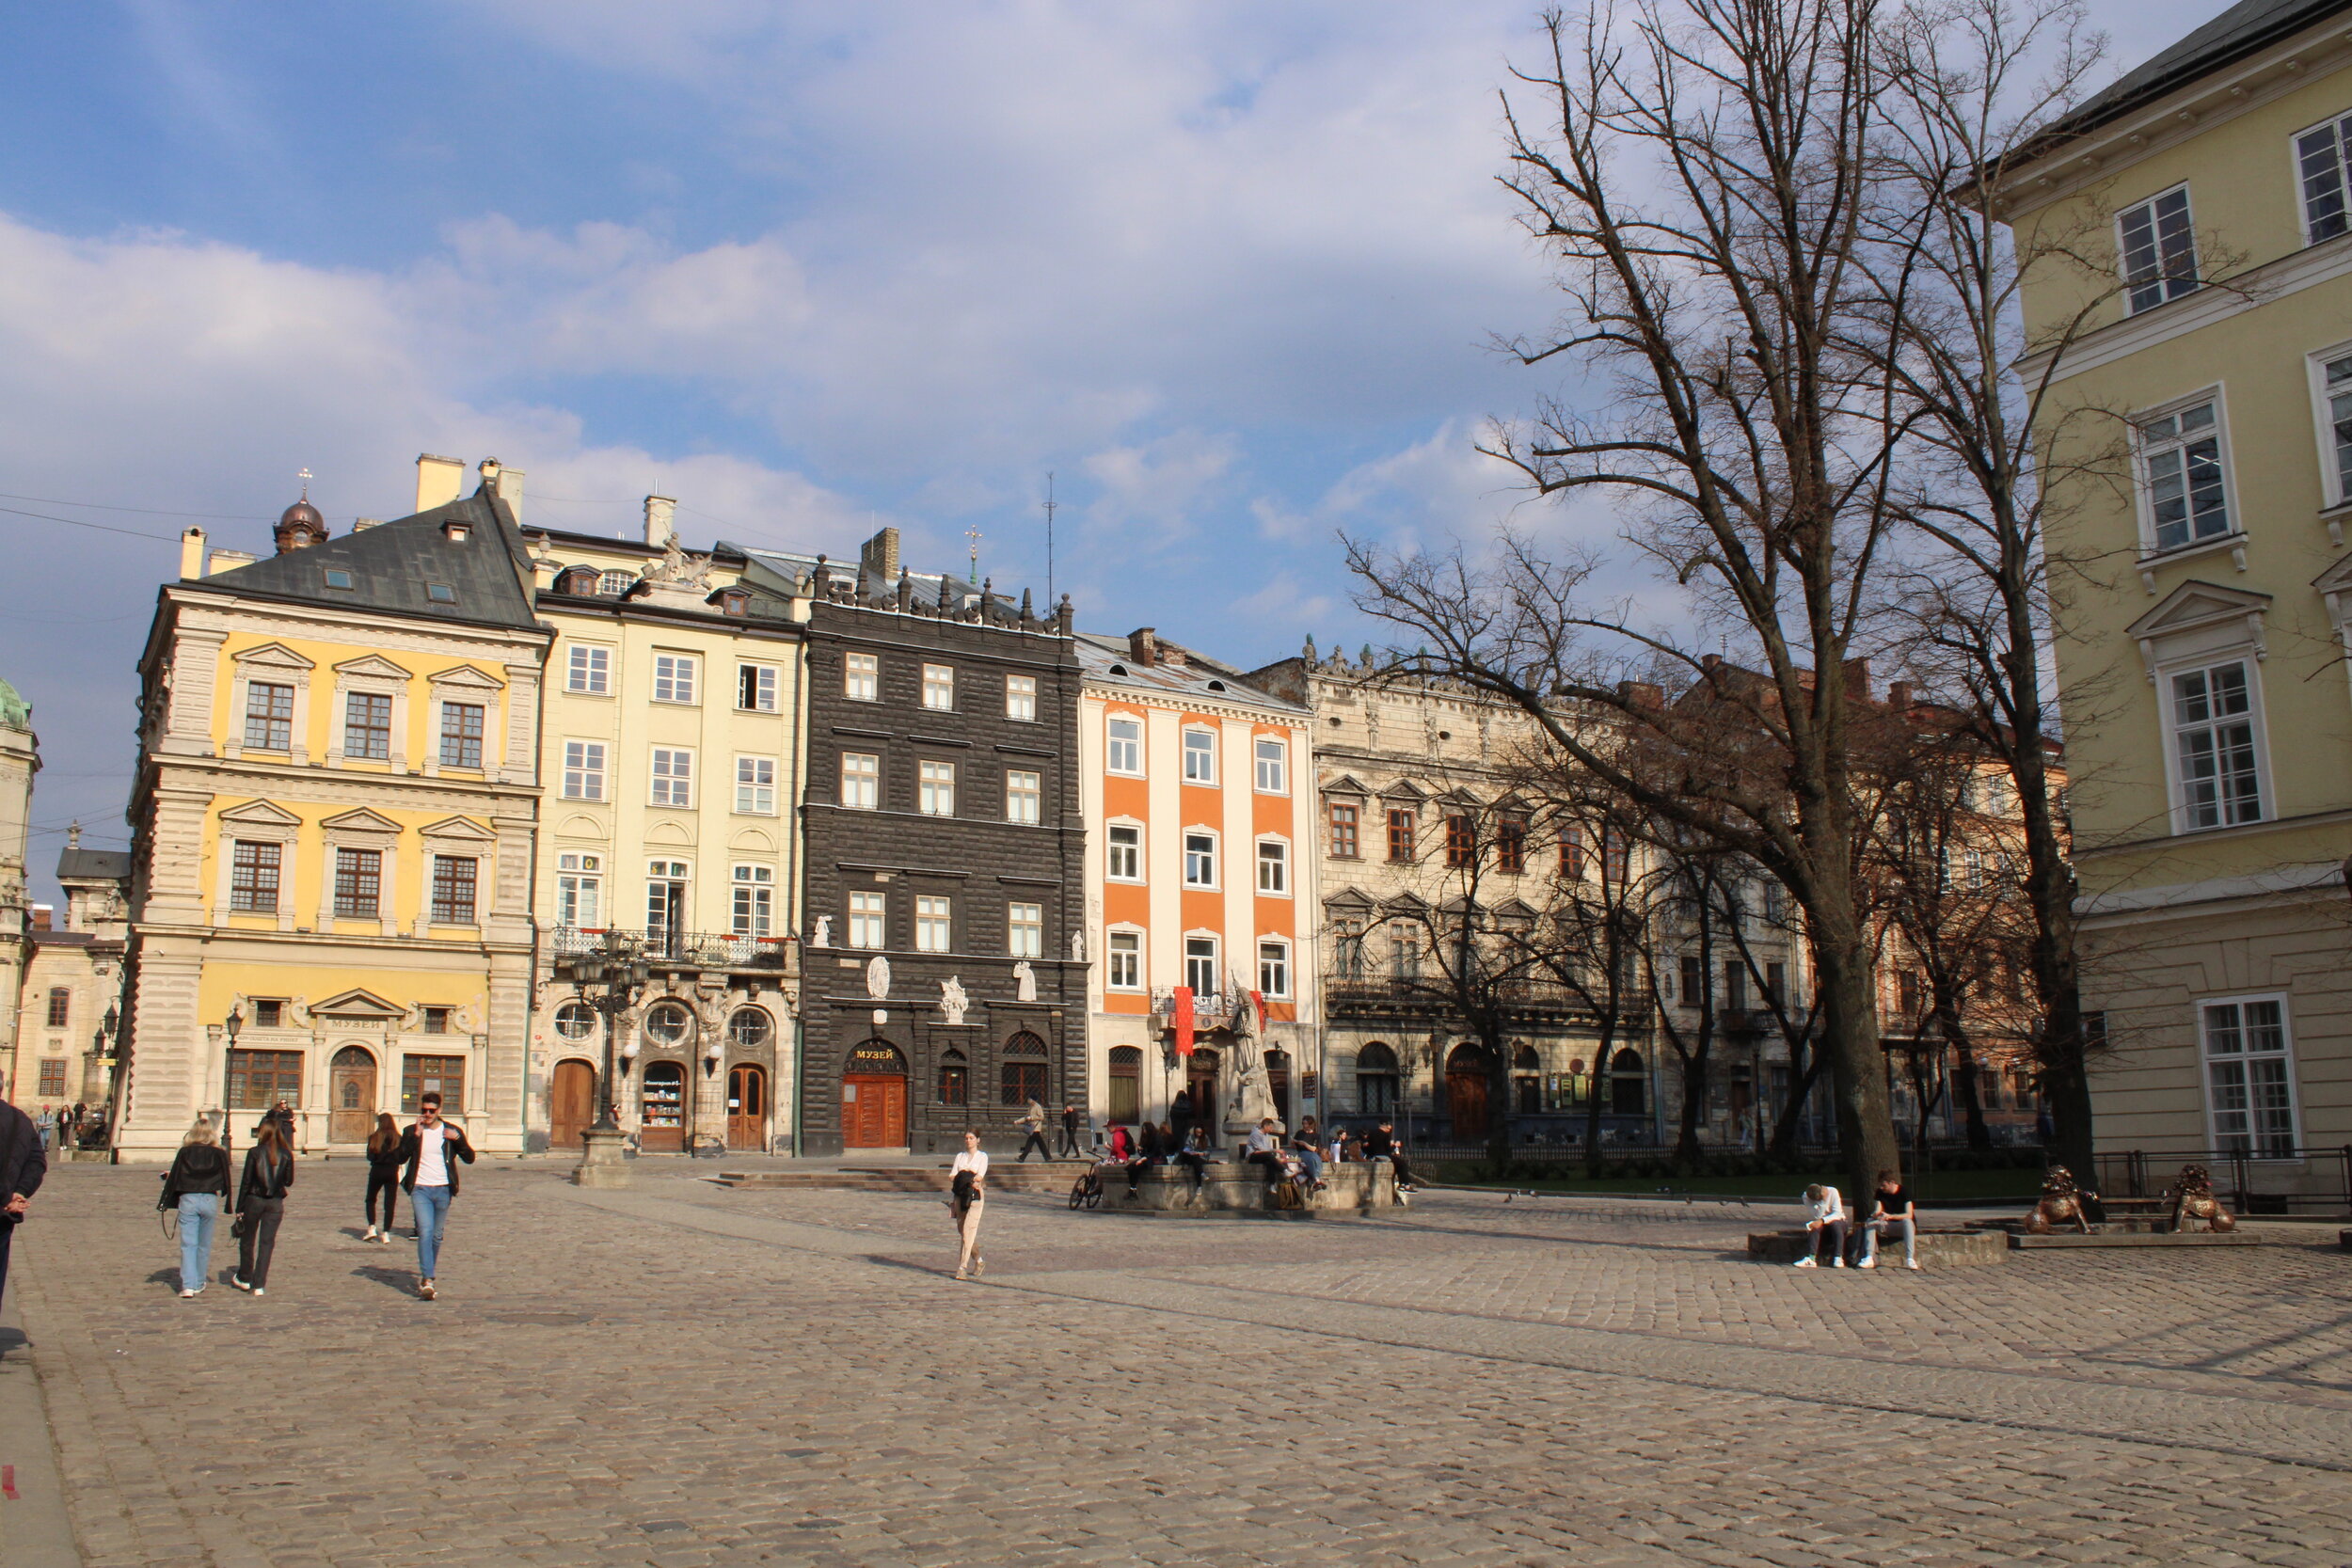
(2192, 1199)
(2061, 1204)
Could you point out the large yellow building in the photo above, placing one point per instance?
(332, 829)
(2200, 433)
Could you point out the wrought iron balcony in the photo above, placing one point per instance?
(704, 949)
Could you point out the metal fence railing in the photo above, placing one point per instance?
(2280, 1180)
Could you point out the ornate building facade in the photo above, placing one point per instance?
(20, 759)
(73, 1000)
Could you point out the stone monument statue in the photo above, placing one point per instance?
(1248, 1098)
(952, 1001)
(878, 978)
(1077, 947)
(824, 932)
(1024, 982)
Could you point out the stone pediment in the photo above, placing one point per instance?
(1405, 903)
(1344, 784)
(467, 675)
(2208, 615)
(1404, 789)
(360, 821)
(1515, 909)
(261, 814)
(274, 655)
(357, 1003)
(1349, 898)
(2334, 582)
(374, 667)
(459, 826)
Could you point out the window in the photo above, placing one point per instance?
(939, 686)
(1736, 987)
(861, 677)
(1126, 854)
(1274, 766)
(860, 781)
(1345, 820)
(1021, 698)
(955, 1080)
(2250, 1078)
(1461, 841)
(1024, 796)
(1403, 835)
(269, 1014)
(2181, 455)
(1126, 747)
(2336, 390)
(1200, 860)
(452, 889)
(583, 769)
(750, 1027)
(1201, 968)
(1126, 1085)
(437, 1019)
(1274, 968)
(665, 897)
(579, 891)
(755, 785)
(1572, 853)
(60, 1005)
(575, 1020)
(1693, 982)
(358, 884)
(53, 1077)
(866, 920)
(1023, 1082)
(1274, 867)
(253, 878)
(1375, 1080)
(756, 687)
(2159, 250)
(669, 1024)
(269, 716)
(368, 725)
(2213, 737)
(934, 924)
(441, 1075)
(260, 1079)
(337, 578)
(461, 734)
(615, 582)
(673, 777)
(1616, 855)
(1511, 844)
(2319, 159)
(439, 593)
(1127, 961)
(935, 788)
(1024, 930)
(674, 677)
(1776, 985)
(1404, 953)
(1200, 757)
(755, 911)
(590, 670)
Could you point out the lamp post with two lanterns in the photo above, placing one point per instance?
(608, 978)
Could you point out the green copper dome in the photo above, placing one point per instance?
(15, 712)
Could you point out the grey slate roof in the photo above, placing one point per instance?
(2245, 28)
(392, 563)
(113, 865)
(1107, 659)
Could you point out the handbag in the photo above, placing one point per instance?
(236, 1229)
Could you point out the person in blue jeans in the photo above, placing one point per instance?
(197, 1186)
(430, 1153)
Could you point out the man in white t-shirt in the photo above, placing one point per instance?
(430, 1153)
(1825, 1223)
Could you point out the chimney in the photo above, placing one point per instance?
(192, 552)
(508, 488)
(438, 480)
(227, 560)
(43, 917)
(1645, 694)
(660, 511)
(360, 525)
(878, 562)
(1858, 679)
(1144, 645)
(1899, 696)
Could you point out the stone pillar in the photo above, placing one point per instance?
(603, 1162)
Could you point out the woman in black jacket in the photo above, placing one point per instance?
(198, 1185)
(269, 1170)
(384, 1162)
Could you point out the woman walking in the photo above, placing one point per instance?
(269, 1170)
(197, 1186)
(383, 1163)
(967, 1197)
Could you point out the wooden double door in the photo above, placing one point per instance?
(350, 1096)
(747, 1108)
(873, 1111)
(1466, 1081)
(571, 1104)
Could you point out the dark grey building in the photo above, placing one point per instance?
(944, 895)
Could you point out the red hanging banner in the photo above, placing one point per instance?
(1183, 1021)
(1257, 1001)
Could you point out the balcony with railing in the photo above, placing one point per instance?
(702, 949)
(1432, 991)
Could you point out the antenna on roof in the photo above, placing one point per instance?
(1049, 535)
(974, 534)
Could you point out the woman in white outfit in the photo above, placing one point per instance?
(967, 1195)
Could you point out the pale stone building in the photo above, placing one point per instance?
(20, 759)
(72, 1013)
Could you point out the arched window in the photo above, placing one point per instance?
(1629, 1089)
(669, 1023)
(1527, 1083)
(1523, 1058)
(751, 1027)
(575, 1020)
(1126, 1083)
(1375, 1080)
(1023, 1076)
(955, 1078)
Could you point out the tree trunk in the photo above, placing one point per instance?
(1801, 1081)
(1857, 1063)
(1693, 1104)
(1498, 1102)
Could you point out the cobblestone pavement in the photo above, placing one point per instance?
(679, 1375)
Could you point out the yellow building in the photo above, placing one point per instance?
(2200, 431)
(332, 827)
(673, 761)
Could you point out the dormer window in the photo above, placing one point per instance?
(734, 601)
(337, 578)
(457, 532)
(579, 579)
(440, 593)
(615, 583)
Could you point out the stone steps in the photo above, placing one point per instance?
(907, 1178)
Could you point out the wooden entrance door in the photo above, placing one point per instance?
(571, 1104)
(873, 1111)
(1466, 1095)
(747, 1108)
(1201, 1086)
(350, 1096)
(1277, 1087)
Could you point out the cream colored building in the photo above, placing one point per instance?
(2203, 647)
(673, 761)
(20, 759)
(72, 1011)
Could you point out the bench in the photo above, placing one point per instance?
(1938, 1248)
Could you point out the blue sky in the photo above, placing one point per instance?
(1226, 270)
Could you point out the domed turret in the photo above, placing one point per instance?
(299, 527)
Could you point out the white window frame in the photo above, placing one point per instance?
(1020, 693)
(1278, 951)
(755, 785)
(1280, 762)
(939, 681)
(615, 582)
(579, 879)
(1212, 884)
(861, 677)
(1214, 959)
(867, 905)
(1127, 958)
(588, 669)
(669, 778)
(1024, 930)
(1280, 865)
(681, 675)
(2145, 483)
(2339, 129)
(751, 902)
(767, 682)
(2123, 263)
(2207, 1058)
(934, 923)
(1133, 852)
(2169, 724)
(576, 766)
(935, 788)
(2331, 474)
(865, 782)
(1124, 755)
(1029, 796)
(1204, 754)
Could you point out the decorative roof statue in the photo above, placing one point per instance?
(953, 1002)
(1024, 982)
(878, 978)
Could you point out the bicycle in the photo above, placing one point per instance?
(1086, 1192)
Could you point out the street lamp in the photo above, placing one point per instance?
(608, 978)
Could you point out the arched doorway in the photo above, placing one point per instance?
(874, 1098)
(1197, 1101)
(1126, 1085)
(1376, 1081)
(350, 1096)
(1465, 1094)
(747, 1107)
(1278, 1084)
(571, 1104)
(1629, 1084)
(663, 1128)
(1527, 1078)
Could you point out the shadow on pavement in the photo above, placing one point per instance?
(402, 1281)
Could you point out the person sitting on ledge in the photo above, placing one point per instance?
(1380, 1143)
(1307, 1146)
(1891, 1208)
(1825, 1222)
(1264, 1151)
(1194, 1156)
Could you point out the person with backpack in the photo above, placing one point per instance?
(23, 1164)
(430, 1153)
(196, 1186)
(383, 1175)
(968, 1199)
(269, 1170)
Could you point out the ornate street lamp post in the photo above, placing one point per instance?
(230, 1025)
(607, 977)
